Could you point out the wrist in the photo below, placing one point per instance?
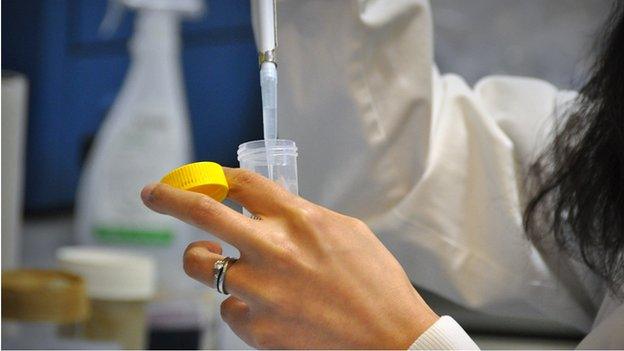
(421, 324)
(422, 317)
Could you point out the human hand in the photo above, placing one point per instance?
(307, 277)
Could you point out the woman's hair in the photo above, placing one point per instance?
(579, 179)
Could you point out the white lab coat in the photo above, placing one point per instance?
(435, 167)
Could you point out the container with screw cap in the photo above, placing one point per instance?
(37, 303)
(119, 285)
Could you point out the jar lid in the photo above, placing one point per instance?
(111, 274)
(36, 295)
(201, 177)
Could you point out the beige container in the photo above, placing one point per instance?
(33, 295)
(37, 303)
(119, 285)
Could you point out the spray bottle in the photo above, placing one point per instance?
(145, 134)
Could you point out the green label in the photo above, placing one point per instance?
(117, 235)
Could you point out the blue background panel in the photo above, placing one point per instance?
(75, 75)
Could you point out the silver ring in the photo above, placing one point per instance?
(220, 278)
(217, 269)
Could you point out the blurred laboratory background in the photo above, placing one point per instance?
(62, 73)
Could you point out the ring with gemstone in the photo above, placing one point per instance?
(220, 278)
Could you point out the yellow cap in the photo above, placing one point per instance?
(201, 177)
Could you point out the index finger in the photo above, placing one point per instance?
(258, 194)
(203, 212)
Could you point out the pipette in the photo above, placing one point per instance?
(264, 15)
(268, 83)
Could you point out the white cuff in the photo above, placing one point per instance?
(445, 334)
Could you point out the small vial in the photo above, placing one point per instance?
(275, 159)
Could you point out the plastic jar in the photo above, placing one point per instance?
(274, 159)
(119, 286)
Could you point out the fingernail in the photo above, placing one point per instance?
(146, 193)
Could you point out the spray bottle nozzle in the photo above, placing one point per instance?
(116, 9)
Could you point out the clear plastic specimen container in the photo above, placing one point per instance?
(275, 159)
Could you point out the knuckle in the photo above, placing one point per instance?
(358, 224)
(307, 215)
(194, 245)
(243, 179)
(202, 209)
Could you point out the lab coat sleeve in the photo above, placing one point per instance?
(444, 334)
(435, 167)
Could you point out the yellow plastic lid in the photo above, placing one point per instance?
(201, 177)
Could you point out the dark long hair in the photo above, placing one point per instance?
(579, 178)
